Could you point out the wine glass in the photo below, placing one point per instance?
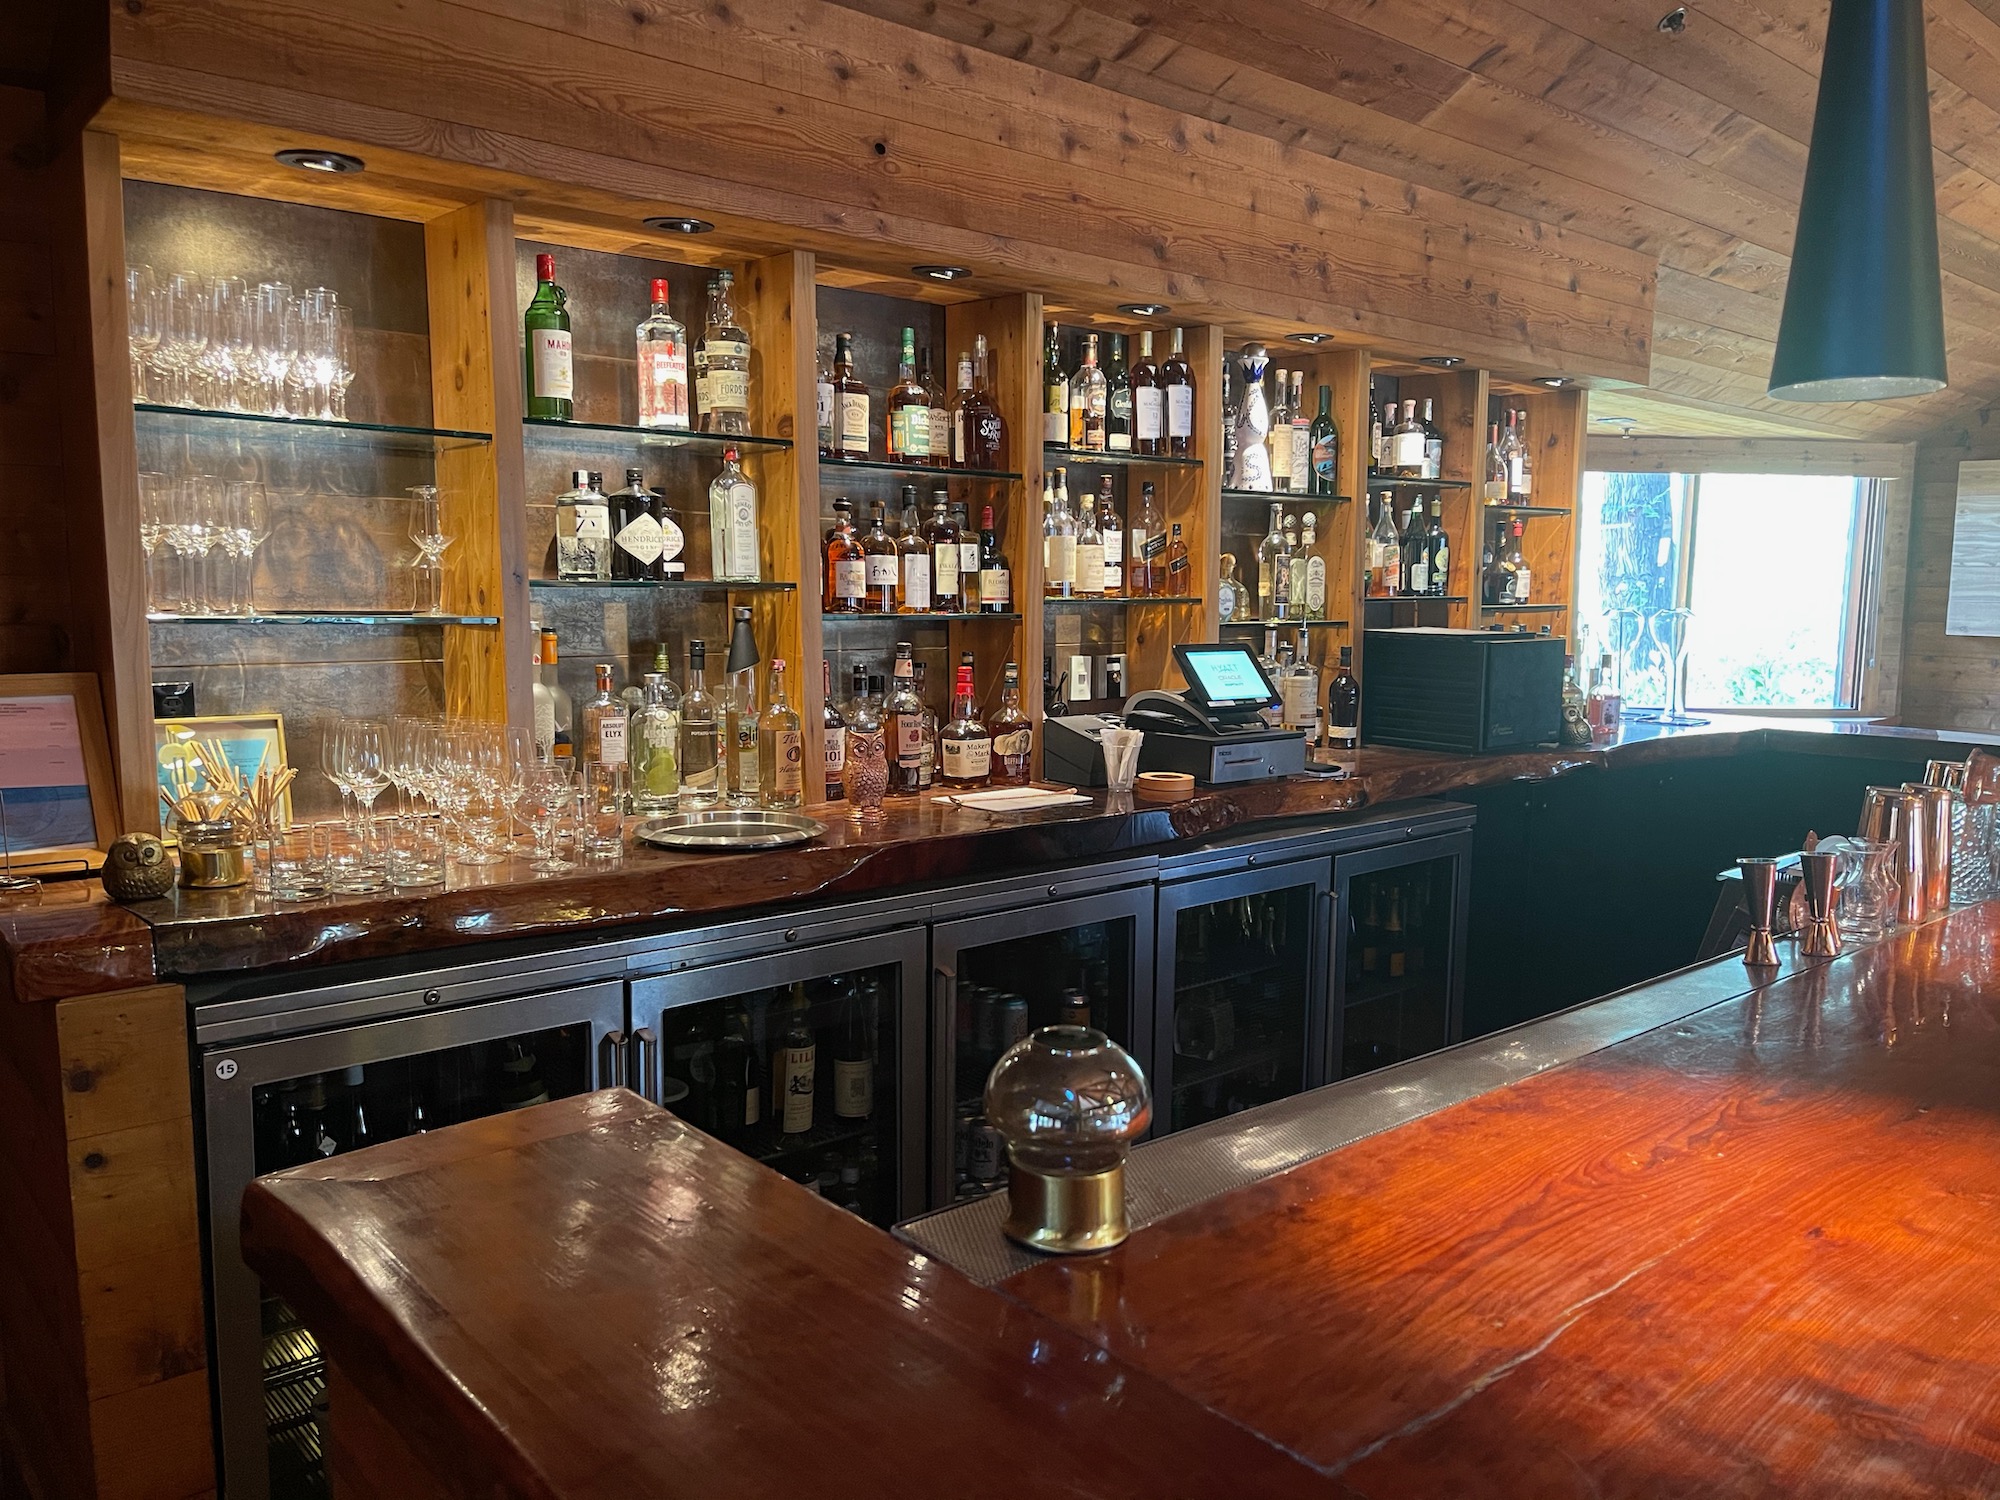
(234, 342)
(318, 349)
(365, 757)
(333, 762)
(477, 766)
(142, 324)
(275, 320)
(183, 335)
(428, 571)
(156, 535)
(343, 361)
(1624, 627)
(545, 795)
(1670, 637)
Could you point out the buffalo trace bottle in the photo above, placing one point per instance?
(551, 369)
(965, 746)
(1013, 735)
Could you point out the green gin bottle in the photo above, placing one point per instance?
(551, 370)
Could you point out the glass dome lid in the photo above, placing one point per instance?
(1068, 1100)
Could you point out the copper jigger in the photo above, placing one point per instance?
(1895, 816)
(1936, 822)
(1760, 895)
(1820, 937)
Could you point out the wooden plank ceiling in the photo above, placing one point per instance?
(1583, 114)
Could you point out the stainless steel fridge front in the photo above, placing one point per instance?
(855, 1083)
(1085, 957)
(1398, 967)
(268, 1103)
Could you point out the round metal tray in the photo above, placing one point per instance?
(722, 828)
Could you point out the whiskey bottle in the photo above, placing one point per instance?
(1385, 551)
(740, 715)
(1494, 490)
(728, 361)
(904, 715)
(909, 408)
(1177, 387)
(1180, 571)
(701, 731)
(1343, 705)
(846, 564)
(1055, 388)
(1274, 589)
(780, 747)
(878, 553)
(1300, 692)
(1058, 543)
(833, 736)
(965, 746)
(985, 428)
(1146, 549)
(937, 432)
(662, 365)
(941, 537)
(1088, 401)
(968, 559)
(1406, 445)
(732, 523)
(851, 398)
(927, 764)
(1112, 531)
(1118, 400)
(829, 423)
(637, 540)
(1149, 418)
(996, 578)
(963, 423)
(1013, 734)
(1089, 553)
(1433, 444)
(913, 553)
(583, 530)
(551, 368)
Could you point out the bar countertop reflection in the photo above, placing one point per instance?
(1748, 1250)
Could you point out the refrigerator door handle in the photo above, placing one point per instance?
(611, 1071)
(646, 1050)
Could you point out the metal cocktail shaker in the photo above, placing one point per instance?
(1938, 802)
(1897, 816)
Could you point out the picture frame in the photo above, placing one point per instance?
(248, 740)
(58, 799)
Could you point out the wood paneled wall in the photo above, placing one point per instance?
(1952, 682)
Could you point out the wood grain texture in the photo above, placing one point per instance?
(1949, 680)
(595, 1360)
(1683, 1264)
(775, 300)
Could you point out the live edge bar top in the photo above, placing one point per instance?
(74, 941)
(1743, 1245)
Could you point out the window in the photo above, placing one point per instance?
(1777, 570)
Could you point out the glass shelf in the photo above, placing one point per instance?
(689, 585)
(904, 466)
(1418, 599)
(1523, 609)
(1287, 624)
(921, 619)
(1090, 458)
(1123, 601)
(611, 433)
(1285, 497)
(325, 617)
(1524, 510)
(375, 437)
(1376, 482)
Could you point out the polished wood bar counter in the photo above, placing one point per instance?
(231, 932)
(1750, 1251)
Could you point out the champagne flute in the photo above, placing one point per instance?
(1670, 635)
(142, 324)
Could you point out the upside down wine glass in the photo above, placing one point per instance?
(1670, 636)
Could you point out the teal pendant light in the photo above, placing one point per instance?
(1864, 314)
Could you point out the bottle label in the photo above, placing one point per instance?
(1433, 458)
(990, 440)
(742, 531)
(1114, 553)
(944, 570)
(1135, 546)
(1180, 411)
(721, 349)
(1517, 474)
(850, 579)
(1440, 566)
(910, 432)
(593, 522)
(1226, 605)
(910, 741)
(1148, 414)
(788, 761)
(671, 542)
(958, 439)
(728, 390)
(1060, 559)
(834, 743)
(968, 760)
(1055, 422)
(663, 384)
(1299, 700)
(826, 413)
(643, 539)
(1316, 588)
(996, 586)
(917, 580)
(854, 1087)
(1324, 457)
(854, 423)
(555, 371)
(1406, 450)
(1012, 748)
(968, 567)
(1522, 578)
(1302, 457)
(1178, 572)
(799, 1064)
(1420, 577)
(881, 570)
(611, 739)
(1090, 568)
(1155, 546)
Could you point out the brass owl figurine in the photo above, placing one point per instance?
(136, 868)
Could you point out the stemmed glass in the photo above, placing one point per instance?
(319, 350)
(275, 319)
(192, 537)
(364, 755)
(333, 763)
(1670, 637)
(233, 348)
(545, 795)
(343, 361)
(406, 759)
(156, 533)
(428, 571)
(183, 336)
(1625, 627)
(142, 324)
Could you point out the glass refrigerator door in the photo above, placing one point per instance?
(810, 1060)
(1402, 947)
(1242, 983)
(1087, 960)
(278, 1104)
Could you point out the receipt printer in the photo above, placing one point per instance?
(1216, 730)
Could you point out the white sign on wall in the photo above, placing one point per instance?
(1974, 604)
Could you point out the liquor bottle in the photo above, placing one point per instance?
(846, 564)
(1180, 570)
(656, 736)
(909, 408)
(1375, 440)
(1406, 445)
(942, 539)
(1523, 578)
(796, 1070)
(1308, 575)
(698, 360)
(1521, 469)
(1395, 955)
(1274, 574)
(854, 1059)
(985, 428)
(1058, 544)
(1416, 555)
(1271, 660)
(583, 530)
(964, 423)
(1177, 386)
(663, 365)
(739, 1093)
(734, 555)
(551, 367)
(851, 397)
(1494, 490)
(1013, 734)
(1233, 600)
(927, 763)
(1576, 728)
(1606, 705)
(1089, 552)
(829, 423)
(968, 559)
(635, 534)
(1343, 705)
(1437, 550)
(1118, 400)
(904, 714)
(1496, 581)
(1112, 531)
(543, 695)
(781, 767)
(1301, 436)
(1089, 401)
(1145, 549)
(727, 351)
(564, 742)
(1384, 552)
(739, 713)
(1300, 691)
(833, 736)
(914, 554)
(1280, 441)
(1433, 443)
(879, 560)
(1055, 389)
(937, 433)
(604, 723)
(996, 579)
(965, 745)
(1149, 419)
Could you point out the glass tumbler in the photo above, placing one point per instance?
(299, 861)
(415, 849)
(605, 788)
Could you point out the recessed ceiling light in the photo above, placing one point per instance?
(1310, 338)
(1675, 21)
(675, 224)
(1442, 361)
(1553, 382)
(1144, 309)
(941, 273)
(320, 161)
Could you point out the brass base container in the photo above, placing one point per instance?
(212, 857)
(1068, 1215)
